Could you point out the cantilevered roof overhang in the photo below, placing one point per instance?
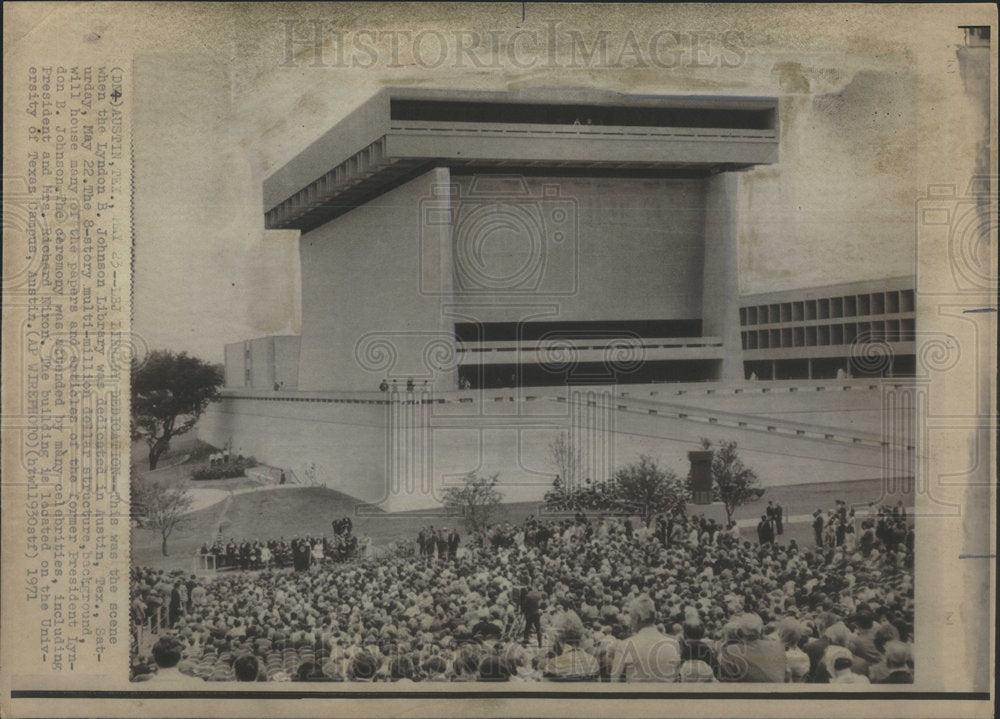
(400, 133)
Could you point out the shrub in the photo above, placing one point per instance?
(235, 467)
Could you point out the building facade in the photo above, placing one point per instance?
(484, 273)
(475, 239)
(858, 329)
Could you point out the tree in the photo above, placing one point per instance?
(568, 460)
(169, 393)
(645, 488)
(476, 500)
(734, 483)
(165, 506)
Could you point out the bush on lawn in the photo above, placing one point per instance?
(235, 467)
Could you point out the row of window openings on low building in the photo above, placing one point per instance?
(903, 330)
(904, 365)
(875, 303)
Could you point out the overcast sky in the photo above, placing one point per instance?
(873, 110)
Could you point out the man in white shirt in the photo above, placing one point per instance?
(648, 655)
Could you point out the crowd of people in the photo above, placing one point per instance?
(577, 599)
(586, 496)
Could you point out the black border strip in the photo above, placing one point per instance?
(769, 696)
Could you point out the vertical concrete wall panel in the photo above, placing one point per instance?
(286, 362)
(235, 367)
(346, 442)
(587, 248)
(366, 313)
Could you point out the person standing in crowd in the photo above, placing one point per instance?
(453, 541)
(176, 603)
(647, 655)
(661, 530)
(442, 545)
(531, 607)
(818, 527)
(188, 593)
(154, 606)
(431, 542)
(765, 531)
(779, 519)
(840, 534)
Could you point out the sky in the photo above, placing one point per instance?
(873, 110)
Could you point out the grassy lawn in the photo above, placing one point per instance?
(292, 511)
(182, 546)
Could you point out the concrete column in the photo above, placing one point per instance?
(720, 276)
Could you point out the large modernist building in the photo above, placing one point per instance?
(488, 221)
(497, 259)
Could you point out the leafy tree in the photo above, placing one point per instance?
(165, 506)
(645, 488)
(734, 483)
(476, 500)
(169, 393)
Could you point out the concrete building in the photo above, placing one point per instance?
(520, 266)
(859, 329)
(489, 225)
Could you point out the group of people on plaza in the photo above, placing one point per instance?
(438, 543)
(771, 524)
(571, 599)
(840, 527)
(300, 553)
(411, 386)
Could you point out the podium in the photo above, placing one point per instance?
(701, 476)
